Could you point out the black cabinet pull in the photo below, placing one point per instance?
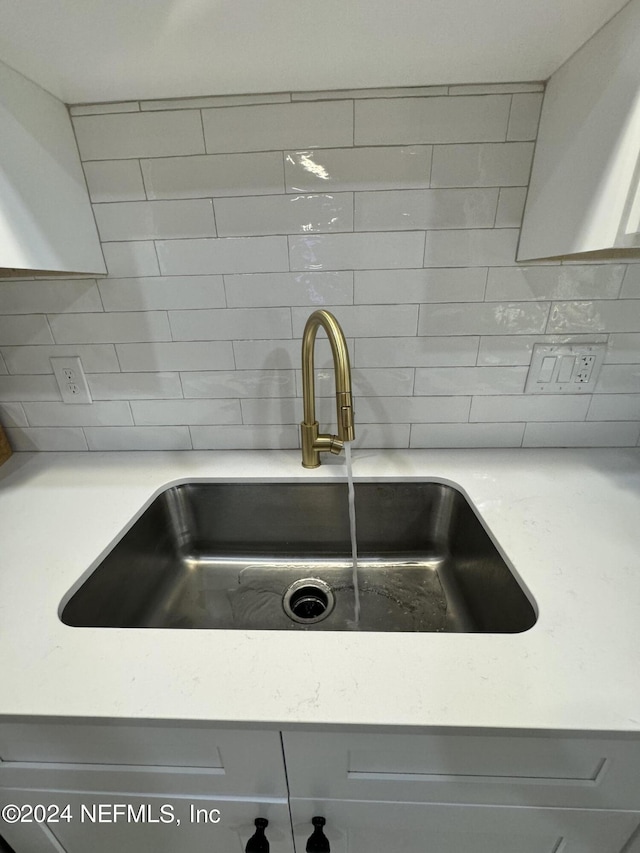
(318, 841)
(258, 842)
(4, 846)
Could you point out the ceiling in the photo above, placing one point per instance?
(111, 50)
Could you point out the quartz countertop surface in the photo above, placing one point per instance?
(568, 522)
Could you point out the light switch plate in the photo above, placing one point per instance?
(564, 368)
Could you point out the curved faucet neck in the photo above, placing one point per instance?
(312, 442)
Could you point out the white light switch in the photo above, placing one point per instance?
(567, 364)
(546, 371)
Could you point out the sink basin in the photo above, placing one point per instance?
(278, 556)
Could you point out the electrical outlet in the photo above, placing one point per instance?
(71, 380)
(564, 368)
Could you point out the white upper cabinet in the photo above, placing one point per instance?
(584, 194)
(46, 223)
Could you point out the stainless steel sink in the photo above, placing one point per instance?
(277, 556)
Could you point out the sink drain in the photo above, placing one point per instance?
(308, 600)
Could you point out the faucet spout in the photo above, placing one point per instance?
(314, 442)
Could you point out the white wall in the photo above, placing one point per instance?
(225, 222)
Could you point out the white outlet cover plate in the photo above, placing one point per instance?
(559, 352)
(71, 380)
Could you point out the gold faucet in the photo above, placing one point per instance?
(314, 442)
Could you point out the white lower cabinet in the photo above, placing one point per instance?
(104, 823)
(161, 788)
(356, 826)
(141, 788)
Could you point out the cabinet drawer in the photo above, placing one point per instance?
(365, 826)
(233, 761)
(534, 770)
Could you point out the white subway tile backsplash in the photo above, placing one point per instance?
(230, 324)
(277, 126)
(504, 164)
(272, 410)
(273, 354)
(101, 109)
(136, 134)
(555, 282)
(241, 437)
(185, 412)
(138, 438)
(339, 169)
(12, 415)
(96, 358)
(223, 255)
(412, 409)
(382, 250)
(367, 382)
(524, 116)
(159, 293)
(314, 289)
(197, 355)
(511, 203)
(149, 220)
(507, 408)
(631, 283)
(618, 379)
(382, 435)
(27, 329)
(622, 315)
(581, 434)
(470, 380)
(134, 386)
(47, 438)
(281, 354)
(405, 226)
(95, 414)
(49, 295)
(407, 92)
(411, 210)
(423, 285)
(517, 349)
(213, 175)
(215, 101)
(131, 259)
(470, 248)
(495, 88)
(467, 435)
(110, 327)
(614, 407)
(495, 318)
(416, 351)
(22, 388)
(239, 383)
(366, 320)
(114, 180)
(403, 121)
(284, 214)
(622, 349)
(507, 349)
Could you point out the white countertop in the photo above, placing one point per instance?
(568, 521)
